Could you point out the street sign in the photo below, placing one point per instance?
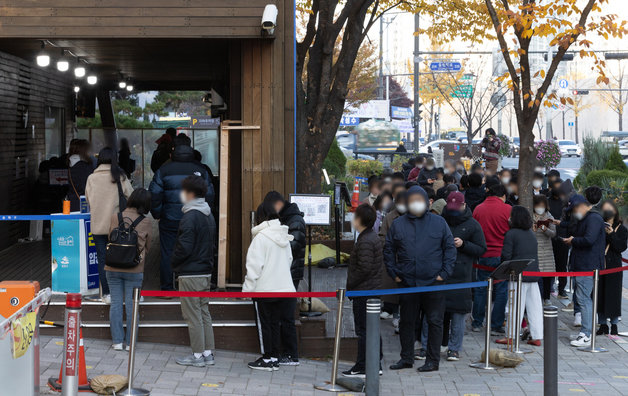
(563, 83)
(464, 91)
(445, 65)
(349, 121)
(570, 123)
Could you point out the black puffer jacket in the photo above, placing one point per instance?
(292, 217)
(522, 245)
(465, 227)
(166, 183)
(366, 263)
(194, 250)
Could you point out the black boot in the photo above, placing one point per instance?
(602, 330)
(614, 330)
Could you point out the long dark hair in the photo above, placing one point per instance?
(108, 156)
(616, 218)
(520, 218)
(265, 211)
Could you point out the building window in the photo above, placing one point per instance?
(55, 131)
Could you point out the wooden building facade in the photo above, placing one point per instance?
(160, 45)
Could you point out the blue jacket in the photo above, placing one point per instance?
(418, 249)
(166, 185)
(588, 244)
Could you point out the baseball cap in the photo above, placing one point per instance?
(576, 200)
(455, 200)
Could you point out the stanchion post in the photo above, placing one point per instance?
(593, 348)
(69, 386)
(550, 351)
(518, 318)
(309, 312)
(130, 390)
(332, 386)
(373, 309)
(486, 364)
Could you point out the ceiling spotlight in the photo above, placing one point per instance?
(77, 88)
(63, 64)
(43, 59)
(122, 84)
(79, 69)
(129, 87)
(92, 79)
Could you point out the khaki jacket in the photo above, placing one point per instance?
(102, 195)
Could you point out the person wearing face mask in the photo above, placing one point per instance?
(544, 230)
(418, 166)
(537, 183)
(552, 176)
(428, 175)
(504, 177)
(382, 205)
(556, 206)
(460, 168)
(450, 169)
(610, 290)
(512, 189)
(470, 245)
(391, 302)
(593, 194)
(439, 182)
(373, 185)
(588, 242)
(491, 145)
(420, 251)
(475, 194)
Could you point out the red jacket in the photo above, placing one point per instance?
(414, 173)
(493, 215)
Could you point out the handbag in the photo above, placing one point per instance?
(123, 249)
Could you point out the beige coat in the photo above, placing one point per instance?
(143, 230)
(544, 240)
(102, 195)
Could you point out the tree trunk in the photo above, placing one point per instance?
(527, 162)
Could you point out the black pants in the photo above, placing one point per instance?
(561, 258)
(288, 329)
(546, 291)
(269, 311)
(433, 306)
(359, 320)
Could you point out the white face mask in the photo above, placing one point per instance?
(537, 183)
(578, 216)
(182, 197)
(417, 208)
(446, 171)
(539, 169)
(429, 167)
(539, 210)
(505, 180)
(401, 208)
(510, 190)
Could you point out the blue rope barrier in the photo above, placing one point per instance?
(417, 289)
(76, 216)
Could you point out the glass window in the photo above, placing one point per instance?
(54, 131)
(206, 142)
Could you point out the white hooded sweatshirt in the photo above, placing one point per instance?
(268, 259)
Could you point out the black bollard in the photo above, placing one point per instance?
(550, 351)
(373, 309)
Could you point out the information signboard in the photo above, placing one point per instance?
(315, 207)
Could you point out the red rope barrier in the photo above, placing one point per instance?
(160, 293)
(614, 270)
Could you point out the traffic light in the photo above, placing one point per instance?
(418, 112)
(567, 57)
(436, 118)
(580, 92)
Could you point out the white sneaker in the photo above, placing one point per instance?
(577, 320)
(385, 315)
(106, 299)
(118, 347)
(581, 341)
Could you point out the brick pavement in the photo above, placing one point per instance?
(579, 372)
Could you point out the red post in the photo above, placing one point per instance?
(71, 337)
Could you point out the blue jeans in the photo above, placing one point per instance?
(122, 285)
(167, 238)
(456, 331)
(584, 287)
(101, 250)
(479, 297)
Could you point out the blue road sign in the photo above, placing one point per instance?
(349, 121)
(440, 66)
(570, 123)
(563, 83)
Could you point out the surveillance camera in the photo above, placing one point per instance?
(269, 19)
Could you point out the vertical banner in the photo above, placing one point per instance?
(92, 259)
(71, 343)
(66, 256)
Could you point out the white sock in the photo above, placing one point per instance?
(207, 352)
(198, 355)
(272, 359)
(267, 360)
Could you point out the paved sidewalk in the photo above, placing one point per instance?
(580, 372)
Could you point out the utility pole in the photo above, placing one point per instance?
(380, 85)
(417, 118)
(563, 124)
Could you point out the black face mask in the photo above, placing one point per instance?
(555, 193)
(608, 215)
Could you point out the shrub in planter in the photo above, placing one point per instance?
(335, 163)
(365, 168)
(603, 177)
(615, 161)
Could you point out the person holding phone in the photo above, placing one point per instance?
(544, 230)
(491, 145)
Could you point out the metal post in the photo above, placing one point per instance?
(416, 82)
(332, 386)
(70, 383)
(593, 349)
(486, 365)
(550, 351)
(373, 309)
(130, 391)
(518, 318)
(309, 312)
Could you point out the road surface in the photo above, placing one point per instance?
(568, 166)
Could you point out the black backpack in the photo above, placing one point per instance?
(123, 250)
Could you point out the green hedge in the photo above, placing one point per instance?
(616, 162)
(335, 163)
(603, 177)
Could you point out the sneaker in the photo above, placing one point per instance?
(603, 330)
(106, 299)
(288, 361)
(127, 348)
(385, 315)
(498, 332)
(353, 373)
(420, 354)
(395, 323)
(568, 308)
(563, 295)
(547, 302)
(476, 329)
(275, 364)
(453, 356)
(262, 365)
(118, 347)
(581, 341)
(534, 342)
(614, 330)
(577, 320)
(209, 360)
(191, 360)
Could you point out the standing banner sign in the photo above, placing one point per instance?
(91, 257)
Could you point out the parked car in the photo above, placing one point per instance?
(515, 146)
(623, 148)
(569, 148)
(434, 145)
